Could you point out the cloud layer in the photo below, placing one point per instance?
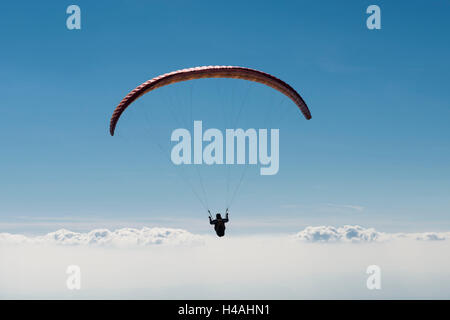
(160, 263)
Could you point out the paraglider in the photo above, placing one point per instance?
(232, 72)
(219, 223)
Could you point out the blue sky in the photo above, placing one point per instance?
(375, 153)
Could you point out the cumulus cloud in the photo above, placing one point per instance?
(357, 233)
(124, 237)
(427, 236)
(333, 234)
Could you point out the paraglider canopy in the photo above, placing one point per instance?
(209, 72)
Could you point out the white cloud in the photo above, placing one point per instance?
(124, 237)
(360, 234)
(345, 233)
(425, 236)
